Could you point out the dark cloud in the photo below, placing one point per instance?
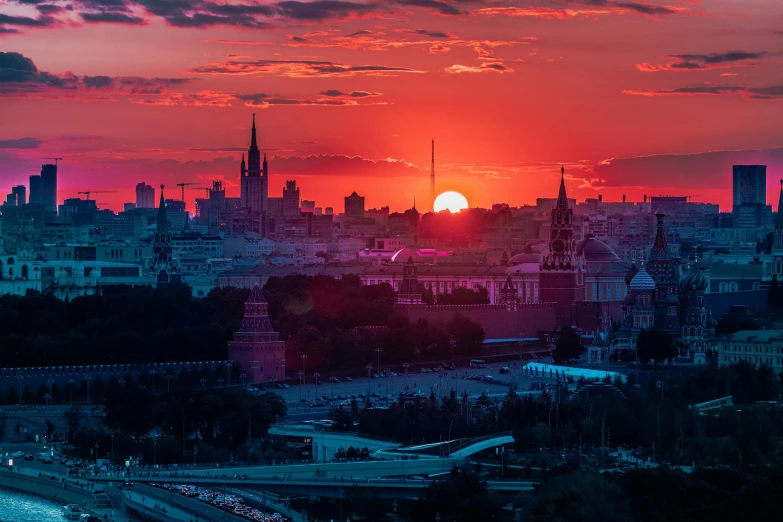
(43, 21)
(220, 149)
(363, 94)
(295, 68)
(719, 58)
(299, 39)
(435, 5)
(17, 68)
(46, 9)
(323, 9)
(431, 34)
(98, 82)
(646, 9)
(21, 143)
(773, 92)
(363, 32)
(112, 18)
(330, 97)
(332, 92)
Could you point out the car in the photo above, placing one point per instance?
(17, 454)
(47, 460)
(505, 369)
(28, 457)
(348, 379)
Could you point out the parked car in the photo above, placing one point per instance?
(505, 369)
(348, 379)
(29, 457)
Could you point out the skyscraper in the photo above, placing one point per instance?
(36, 193)
(254, 181)
(749, 185)
(145, 196)
(291, 199)
(49, 187)
(20, 193)
(354, 206)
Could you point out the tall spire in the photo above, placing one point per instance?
(432, 177)
(562, 198)
(660, 247)
(779, 220)
(253, 143)
(162, 221)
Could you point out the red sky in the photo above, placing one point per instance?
(633, 96)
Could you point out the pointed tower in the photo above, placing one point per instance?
(254, 186)
(508, 295)
(560, 279)
(664, 267)
(256, 346)
(410, 292)
(163, 267)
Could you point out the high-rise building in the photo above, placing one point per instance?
(254, 180)
(145, 196)
(308, 206)
(20, 195)
(749, 185)
(49, 187)
(291, 199)
(354, 206)
(36, 192)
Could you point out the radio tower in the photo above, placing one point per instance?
(432, 177)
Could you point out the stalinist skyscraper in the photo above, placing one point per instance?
(254, 177)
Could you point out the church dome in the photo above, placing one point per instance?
(642, 281)
(524, 259)
(694, 279)
(595, 251)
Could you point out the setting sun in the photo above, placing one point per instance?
(451, 201)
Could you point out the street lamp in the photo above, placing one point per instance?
(378, 351)
(70, 383)
(282, 363)
(341, 492)
(303, 357)
(253, 372)
(19, 378)
(453, 344)
(203, 382)
(220, 381)
(243, 378)
(369, 370)
(50, 381)
(155, 452)
(153, 373)
(168, 383)
(316, 375)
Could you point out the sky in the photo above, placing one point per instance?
(634, 97)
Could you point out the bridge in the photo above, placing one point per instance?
(453, 449)
(385, 487)
(716, 404)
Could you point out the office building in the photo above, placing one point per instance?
(749, 185)
(19, 194)
(145, 196)
(354, 206)
(291, 199)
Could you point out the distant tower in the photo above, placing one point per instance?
(256, 346)
(254, 180)
(777, 238)
(163, 266)
(410, 291)
(432, 177)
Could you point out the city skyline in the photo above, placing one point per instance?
(348, 96)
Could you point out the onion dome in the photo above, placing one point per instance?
(694, 279)
(642, 281)
(631, 272)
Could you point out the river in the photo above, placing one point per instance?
(20, 507)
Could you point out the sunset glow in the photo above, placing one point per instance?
(348, 96)
(451, 201)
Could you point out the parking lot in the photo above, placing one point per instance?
(474, 381)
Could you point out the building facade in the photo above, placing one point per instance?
(254, 180)
(256, 346)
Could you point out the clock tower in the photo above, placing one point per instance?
(560, 276)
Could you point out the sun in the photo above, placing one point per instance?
(451, 201)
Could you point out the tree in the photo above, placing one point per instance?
(655, 345)
(73, 419)
(569, 345)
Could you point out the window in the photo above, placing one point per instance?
(723, 287)
(733, 287)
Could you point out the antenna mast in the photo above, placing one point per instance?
(432, 177)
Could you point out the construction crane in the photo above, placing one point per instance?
(55, 160)
(88, 192)
(183, 185)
